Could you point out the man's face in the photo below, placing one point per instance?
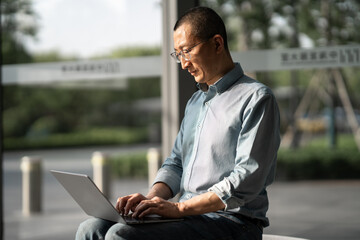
(202, 65)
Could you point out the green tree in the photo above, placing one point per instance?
(134, 51)
(255, 24)
(52, 56)
(18, 22)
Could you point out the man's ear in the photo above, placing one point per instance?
(219, 43)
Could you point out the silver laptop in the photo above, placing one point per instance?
(94, 203)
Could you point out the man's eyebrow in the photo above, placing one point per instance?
(181, 47)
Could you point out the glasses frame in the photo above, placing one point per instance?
(185, 54)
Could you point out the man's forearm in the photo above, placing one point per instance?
(157, 203)
(204, 203)
(160, 190)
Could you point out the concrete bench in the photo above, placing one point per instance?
(277, 237)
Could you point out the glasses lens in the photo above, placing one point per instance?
(175, 56)
(186, 56)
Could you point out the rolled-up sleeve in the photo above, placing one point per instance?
(256, 153)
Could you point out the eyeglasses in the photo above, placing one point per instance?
(184, 53)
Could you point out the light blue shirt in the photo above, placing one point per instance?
(227, 143)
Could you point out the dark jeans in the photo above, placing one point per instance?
(208, 226)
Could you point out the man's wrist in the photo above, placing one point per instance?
(181, 208)
(161, 190)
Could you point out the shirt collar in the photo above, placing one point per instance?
(226, 81)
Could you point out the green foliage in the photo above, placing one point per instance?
(43, 127)
(13, 51)
(52, 56)
(305, 164)
(23, 106)
(144, 88)
(129, 166)
(94, 136)
(321, 21)
(33, 111)
(345, 142)
(14, 15)
(18, 22)
(318, 161)
(122, 52)
(16, 121)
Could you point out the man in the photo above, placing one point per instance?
(224, 156)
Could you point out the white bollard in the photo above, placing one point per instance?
(154, 163)
(31, 168)
(101, 172)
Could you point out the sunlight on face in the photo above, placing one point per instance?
(201, 65)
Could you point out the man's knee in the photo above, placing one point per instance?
(121, 231)
(93, 228)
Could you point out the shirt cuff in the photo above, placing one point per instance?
(223, 191)
(170, 178)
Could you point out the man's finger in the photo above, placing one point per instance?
(120, 204)
(132, 202)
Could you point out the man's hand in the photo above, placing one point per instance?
(128, 203)
(154, 203)
(141, 206)
(158, 206)
(203, 203)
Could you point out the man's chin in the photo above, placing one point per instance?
(199, 79)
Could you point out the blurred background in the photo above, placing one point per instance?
(319, 123)
(44, 116)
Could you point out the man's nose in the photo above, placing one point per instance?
(184, 63)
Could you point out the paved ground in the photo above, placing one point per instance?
(323, 210)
